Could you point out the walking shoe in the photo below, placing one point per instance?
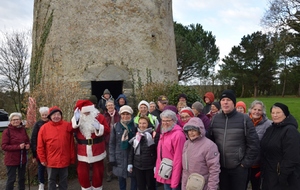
(109, 178)
(41, 186)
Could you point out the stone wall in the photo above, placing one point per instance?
(103, 40)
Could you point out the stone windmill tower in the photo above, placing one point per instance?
(103, 43)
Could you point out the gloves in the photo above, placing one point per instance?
(129, 168)
(113, 164)
(96, 124)
(77, 114)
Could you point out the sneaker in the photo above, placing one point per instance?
(41, 186)
(109, 178)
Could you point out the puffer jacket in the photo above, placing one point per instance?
(56, 144)
(170, 145)
(280, 150)
(236, 139)
(200, 156)
(12, 137)
(118, 155)
(147, 158)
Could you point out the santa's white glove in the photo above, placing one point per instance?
(96, 124)
(129, 168)
(99, 127)
(77, 114)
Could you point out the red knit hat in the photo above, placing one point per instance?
(52, 110)
(241, 104)
(187, 110)
(85, 106)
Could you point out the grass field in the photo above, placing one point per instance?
(292, 102)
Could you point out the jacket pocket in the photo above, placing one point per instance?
(241, 154)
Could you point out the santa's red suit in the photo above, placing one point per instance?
(90, 127)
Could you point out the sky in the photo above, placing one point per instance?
(228, 20)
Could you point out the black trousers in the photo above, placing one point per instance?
(255, 181)
(145, 179)
(233, 179)
(12, 174)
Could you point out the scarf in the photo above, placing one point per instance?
(135, 141)
(256, 121)
(127, 134)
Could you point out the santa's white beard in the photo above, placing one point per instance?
(86, 127)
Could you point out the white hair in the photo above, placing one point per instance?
(43, 110)
(15, 114)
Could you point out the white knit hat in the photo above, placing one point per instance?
(145, 103)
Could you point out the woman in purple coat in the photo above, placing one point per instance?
(200, 155)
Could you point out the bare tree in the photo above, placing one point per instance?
(14, 65)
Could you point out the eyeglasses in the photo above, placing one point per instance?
(16, 119)
(167, 121)
(186, 117)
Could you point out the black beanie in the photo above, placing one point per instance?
(228, 94)
(283, 107)
(217, 104)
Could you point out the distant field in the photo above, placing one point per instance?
(292, 102)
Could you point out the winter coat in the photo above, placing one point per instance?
(117, 101)
(153, 120)
(261, 128)
(111, 121)
(157, 113)
(280, 150)
(211, 97)
(236, 138)
(91, 152)
(56, 144)
(117, 155)
(200, 156)
(205, 120)
(34, 135)
(102, 103)
(170, 145)
(12, 137)
(147, 158)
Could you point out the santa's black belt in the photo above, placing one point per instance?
(90, 141)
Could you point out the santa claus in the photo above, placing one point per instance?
(90, 127)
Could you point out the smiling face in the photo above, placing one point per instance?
(143, 124)
(240, 109)
(193, 134)
(125, 116)
(143, 109)
(277, 115)
(256, 111)
(227, 105)
(185, 117)
(110, 107)
(15, 121)
(166, 122)
(44, 116)
(56, 117)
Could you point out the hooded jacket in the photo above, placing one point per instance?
(200, 156)
(117, 101)
(211, 97)
(280, 150)
(170, 145)
(56, 145)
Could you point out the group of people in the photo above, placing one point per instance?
(187, 146)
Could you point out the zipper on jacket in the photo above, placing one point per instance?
(224, 140)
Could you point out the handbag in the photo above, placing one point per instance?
(166, 166)
(195, 181)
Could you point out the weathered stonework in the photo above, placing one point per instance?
(103, 40)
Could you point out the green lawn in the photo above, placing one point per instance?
(292, 102)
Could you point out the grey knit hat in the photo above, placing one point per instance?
(106, 91)
(198, 106)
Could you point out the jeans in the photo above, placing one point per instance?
(12, 174)
(62, 174)
(123, 184)
(233, 179)
(168, 187)
(41, 173)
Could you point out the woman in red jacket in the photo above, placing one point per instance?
(15, 143)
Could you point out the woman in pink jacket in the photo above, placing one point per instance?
(170, 145)
(200, 155)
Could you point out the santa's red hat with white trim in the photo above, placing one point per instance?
(85, 106)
